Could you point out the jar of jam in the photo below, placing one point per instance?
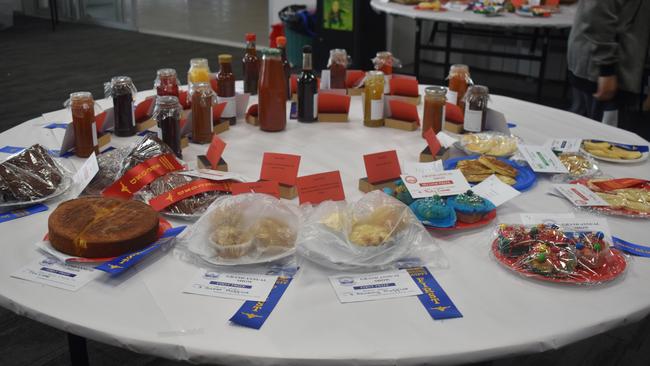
(476, 101)
(226, 89)
(166, 82)
(82, 106)
(383, 61)
(251, 65)
(123, 92)
(167, 113)
(272, 93)
(202, 98)
(337, 64)
(434, 108)
(373, 103)
(459, 81)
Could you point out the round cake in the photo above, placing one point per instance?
(98, 227)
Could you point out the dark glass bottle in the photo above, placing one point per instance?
(251, 65)
(226, 89)
(282, 46)
(167, 113)
(307, 89)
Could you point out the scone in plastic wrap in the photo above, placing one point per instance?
(489, 143)
(243, 229)
(377, 231)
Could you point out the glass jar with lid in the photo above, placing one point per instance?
(476, 102)
(123, 92)
(167, 114)
(459, 80)
(435, 98)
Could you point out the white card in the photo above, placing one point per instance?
(446, 183)
(496, 121)
(374, 286)
(239, 286)
(544, 218)
(564, 145)
(541, 159)
(50, 271)
(580, 195)
(325, 79)
(215, 175)
(424, 168)
(495, 190)
(86, 173)
(445, 139)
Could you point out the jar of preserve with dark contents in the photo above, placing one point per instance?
(476, 101)
(338, 66)
(123, 92)
(167, 114)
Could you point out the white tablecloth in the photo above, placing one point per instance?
(563, 19)
(504, 314)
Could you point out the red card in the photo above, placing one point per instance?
(282, 168)
(432, 141)
(215, 150)
(266, 186)
(353, 78)
(293, 83)
(382, 166)
(321, 187)
(217, 109)
(141, 112)
(182, 98)
(404, 86)
(213, 84)
(453, 114)
(253, 110)
(517, 3)
(99, 121)
(403, 111)
(333, 103)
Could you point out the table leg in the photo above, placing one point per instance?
(78, 350)
(542, 65)
(416, 56)
(56, 12)
(432, 36)
(52, 16)
(447, 53)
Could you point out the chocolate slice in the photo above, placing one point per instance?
(29, 175)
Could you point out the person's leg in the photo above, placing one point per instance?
(578, 102)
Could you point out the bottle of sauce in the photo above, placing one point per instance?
(272, 93)
(286, 66)
(226, 89)
(167, 113)
(459, 81)
(123, 93)
(251, 65)
(373, 102)
(476, 101)
(202, 98)
(307, 89)
(82, 106)
(166, 82)
(337, 64)
(199, 72)
(434, 108)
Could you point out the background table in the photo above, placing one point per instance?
(508, 25)
(504, 314)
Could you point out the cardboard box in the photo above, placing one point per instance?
(426, 157)
(401, 125)
(453, 127)
(143, 126)
(365, 186)
(203, 163)
(221, 127)
(413, 100)
(375, 123)
(103, 139)
(288, 192)
(333, 117)
(252, 120)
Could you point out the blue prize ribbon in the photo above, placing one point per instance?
(54, 125)
(253, 314)
(11, 149)
(120, 264)
(433, 297)
(630, 248)
(147, 132)
(16, 214)
(110, 148)
(57, 153)
(512, 125)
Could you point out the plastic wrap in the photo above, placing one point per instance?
(578, 164)
(489, 143)
(629, 197)
(189, 208)
(113, 164)
(376, 232)
(386, 61)
(549, 253)
(31, 176)
(245, 229)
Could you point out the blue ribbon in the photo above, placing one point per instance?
(121, 264)
(630, 248)
(253, 314)
(54, 125)
(110, 148)
(16, 214)
(147, 132)
(433, 297)
(11, 149)
(512, 125)
(57, 153)
(639, 148)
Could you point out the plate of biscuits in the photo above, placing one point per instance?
(615, 152)
(477, 168)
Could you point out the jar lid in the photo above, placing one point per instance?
(250, 37)
(435, 90)
(458, 68)
(225, 58)
(270, 52)
(81, 95)
(199, 62)
(281, 41)
(202, 85)
(338, 51)
(384, 54)
(121, 80)
(374, 74)
(166, 72)
(169, 101)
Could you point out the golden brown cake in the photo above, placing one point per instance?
(498, 166)
(98, 227)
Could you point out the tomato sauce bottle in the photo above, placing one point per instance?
(82, 106)
(307, 89)
(251, 65)
(272, 93)
(286, 66)
(226, 89)
(202, 97)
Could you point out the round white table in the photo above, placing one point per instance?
(503, 314)
(535, 30)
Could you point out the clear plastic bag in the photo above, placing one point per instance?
(629, 197)
(377, 232)
(245, 229)
(548, 252)
(579, 165)
(489, 143)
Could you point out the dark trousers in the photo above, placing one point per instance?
(624, 107)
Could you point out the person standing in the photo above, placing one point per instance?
(606, 54)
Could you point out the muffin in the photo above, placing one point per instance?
(433, 211)
(369, 235)
(231, 242)
(270, 232)
(469, 207)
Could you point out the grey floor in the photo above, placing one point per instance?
(39, 68)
